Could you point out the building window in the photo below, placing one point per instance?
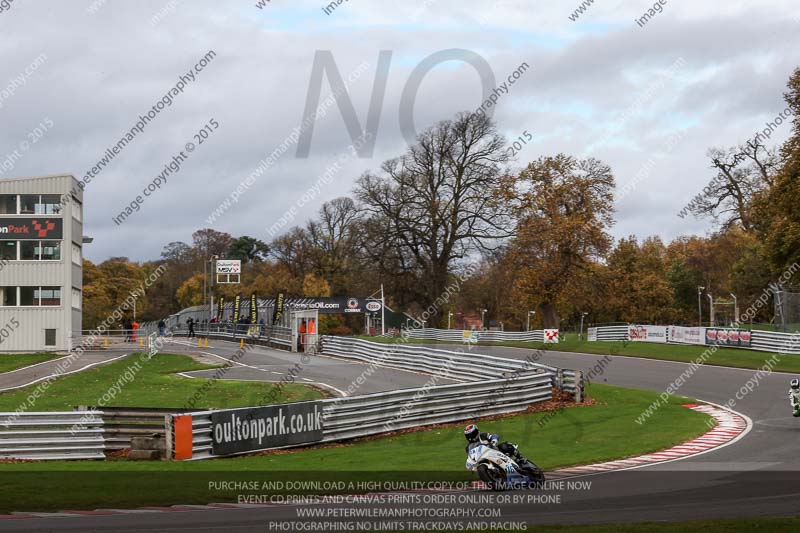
(49, 337)
(8, 250)
(28, 250)
(40, 204)
(76, 298)
(50, 250)
(77, 210)
(8, 204)
(40, 250)
(49, 295)
(8, 296)
(76, 254)
(28, 296)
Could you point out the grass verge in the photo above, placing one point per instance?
(152, 384)
(731, 357)
(575, 435)
(14, 361)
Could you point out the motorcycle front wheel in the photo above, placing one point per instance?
(494, 478)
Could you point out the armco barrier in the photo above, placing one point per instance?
(52, 435)
(121, 424)
(490, 386)
(445, 363)
(373, 414)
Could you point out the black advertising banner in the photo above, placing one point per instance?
(31, 229)
(219, 308)
(236, 302)
(728, 337)
(260, 428)
(279, 302)
(253, 309)
(336, 305)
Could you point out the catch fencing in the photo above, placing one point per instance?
(277, 336)
(52, 435)
(490, 386)
(457, 335)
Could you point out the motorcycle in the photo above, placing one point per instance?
(499, 471)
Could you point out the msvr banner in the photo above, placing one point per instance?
(260, 428)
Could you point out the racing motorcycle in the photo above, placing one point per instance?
(499, 471)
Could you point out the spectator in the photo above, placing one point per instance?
(128, 328)
(162, 328)
(190, 323)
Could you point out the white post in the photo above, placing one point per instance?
(383, 312)
(735, 310)
(711, 311)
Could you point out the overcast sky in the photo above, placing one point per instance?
(703, 74)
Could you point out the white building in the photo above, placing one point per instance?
(41, 239)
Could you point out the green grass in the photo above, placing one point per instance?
(577, 435)
(152, 385)
(15, 361)
(732, 357)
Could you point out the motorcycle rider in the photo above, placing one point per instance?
(794, 396)
(475, 437)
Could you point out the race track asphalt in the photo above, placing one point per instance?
(756, 476)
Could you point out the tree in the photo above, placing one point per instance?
(336, 242)
(779, 208)
(315, 287)
(563, 207)
(437, 202)
(208, 243)
(742, 172)
(190, 293)
(639, 288)
(248, 249)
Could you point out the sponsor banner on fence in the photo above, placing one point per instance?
(687, 335)
(728, 337)
(592, 334)
(280, 300)
(260, 428)
(236, 306)
(640, 333)
(469, 336)
(551, 336)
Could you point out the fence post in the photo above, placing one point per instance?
(560, 379)
(579, 386)
(169, 439)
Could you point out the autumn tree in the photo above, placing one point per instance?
(563, 207)
(437, 202)
(742, 173)
(639, 287)
(779, 225)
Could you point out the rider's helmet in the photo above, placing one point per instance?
(795, 384)
(471, 432)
